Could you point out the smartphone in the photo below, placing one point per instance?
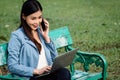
(43, 25)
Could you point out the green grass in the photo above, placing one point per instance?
(94, 25)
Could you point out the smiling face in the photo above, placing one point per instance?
(33, 20)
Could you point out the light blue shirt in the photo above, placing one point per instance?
(23, 55)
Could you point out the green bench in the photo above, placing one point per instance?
(62, 39)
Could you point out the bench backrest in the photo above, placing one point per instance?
(3, 54)
(61, 38)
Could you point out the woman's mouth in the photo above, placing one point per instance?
(35, 26)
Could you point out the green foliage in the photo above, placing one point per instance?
(94, 25)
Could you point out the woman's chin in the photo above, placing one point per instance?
(34, 28)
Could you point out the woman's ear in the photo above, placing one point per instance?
(23, 16)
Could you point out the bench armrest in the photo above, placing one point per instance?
(88, 59)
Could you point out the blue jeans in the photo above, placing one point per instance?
(60, 74)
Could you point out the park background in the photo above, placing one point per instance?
(93, 24)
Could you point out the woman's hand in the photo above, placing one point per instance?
(41, 71)
(46, 31)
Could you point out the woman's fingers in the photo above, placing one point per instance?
(46, 23)
(48, 68)
(45, 69)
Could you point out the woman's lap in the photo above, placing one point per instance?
(60, 74)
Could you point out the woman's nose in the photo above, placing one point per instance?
(37, 21)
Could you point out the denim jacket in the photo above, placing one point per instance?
(23, 55)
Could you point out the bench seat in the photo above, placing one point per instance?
(81, 75)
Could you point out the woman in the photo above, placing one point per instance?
(30, 50)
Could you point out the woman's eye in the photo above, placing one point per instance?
(33, 18)
(40, 17)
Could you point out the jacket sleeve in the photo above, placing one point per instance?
(52, 49)
(13, 58)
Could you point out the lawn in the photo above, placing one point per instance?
(94, 25)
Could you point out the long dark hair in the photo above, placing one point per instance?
(30, 7)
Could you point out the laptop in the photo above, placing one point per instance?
(61, 61)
